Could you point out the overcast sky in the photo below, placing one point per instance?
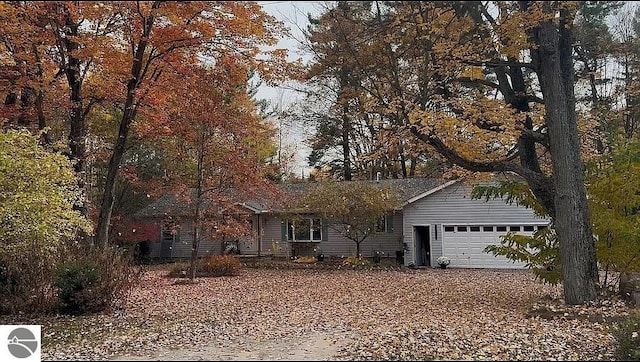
(294, 16)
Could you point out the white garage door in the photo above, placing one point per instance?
(464, 244)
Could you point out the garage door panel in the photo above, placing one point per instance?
(466, 248)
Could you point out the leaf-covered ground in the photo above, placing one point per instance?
(340, 315)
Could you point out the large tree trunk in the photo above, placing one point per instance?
(78, 126)
(346, 123)
(138, 72)
(346, 130)
(197, 214)
(575, 237)
(106, 205)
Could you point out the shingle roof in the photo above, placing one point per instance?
(407, 189)
(170, 204)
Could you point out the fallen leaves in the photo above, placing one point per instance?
(371, 315)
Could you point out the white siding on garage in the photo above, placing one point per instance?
(453, 205)
(464, 244)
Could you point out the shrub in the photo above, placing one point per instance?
(377, 256)
(357, 261)
(75, 279)
(37, 191)
(179, 270)
(25, 282)
(94, 281)
(305, 260)
(627, 334)
(211, 266)
(219, 265)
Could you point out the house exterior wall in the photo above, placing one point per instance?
(272, 243)
(248, 245)
(183, 243)
(182, 247)
(454, 205)
(333, 244)
(386, 242)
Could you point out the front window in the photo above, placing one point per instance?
(306, 229)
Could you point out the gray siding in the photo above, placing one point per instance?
(335, 245)
(386, 242)
(182, 247)
(272, 235)
(453, 205)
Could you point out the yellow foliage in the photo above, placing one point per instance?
(305, 260)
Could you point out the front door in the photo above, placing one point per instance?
(166, 244)
(249, 244)
(422, 245)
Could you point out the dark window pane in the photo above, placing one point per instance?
(528, 228)
(303, 229)
(290, 228)
(474, 228)
(316, 232)
(462, 228)
(487, 228)
(448, 228)
(514, 228)
(501, 228)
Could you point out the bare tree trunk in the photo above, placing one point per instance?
(575, 237)
(346, 129)
(346, 123)
(106, 206)
(196, 218)
(130, 110)
(78, 125)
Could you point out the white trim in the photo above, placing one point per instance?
(427, 193)
(415, 252)
(255, 211)
(526, 223)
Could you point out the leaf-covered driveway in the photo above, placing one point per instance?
(346, 314)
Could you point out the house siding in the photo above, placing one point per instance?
(454, 205)
(182, 247)
(386, 242)
(334, 244)
(272, 235)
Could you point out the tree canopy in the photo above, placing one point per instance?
(351, 208)
(37, 193)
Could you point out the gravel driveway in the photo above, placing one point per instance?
(340, 315)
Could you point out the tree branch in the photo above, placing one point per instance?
(453, 156)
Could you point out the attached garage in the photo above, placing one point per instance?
(447, 221)
(464, 244)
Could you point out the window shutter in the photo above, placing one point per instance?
(389, 220)
(325, 230)
(283, 230)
